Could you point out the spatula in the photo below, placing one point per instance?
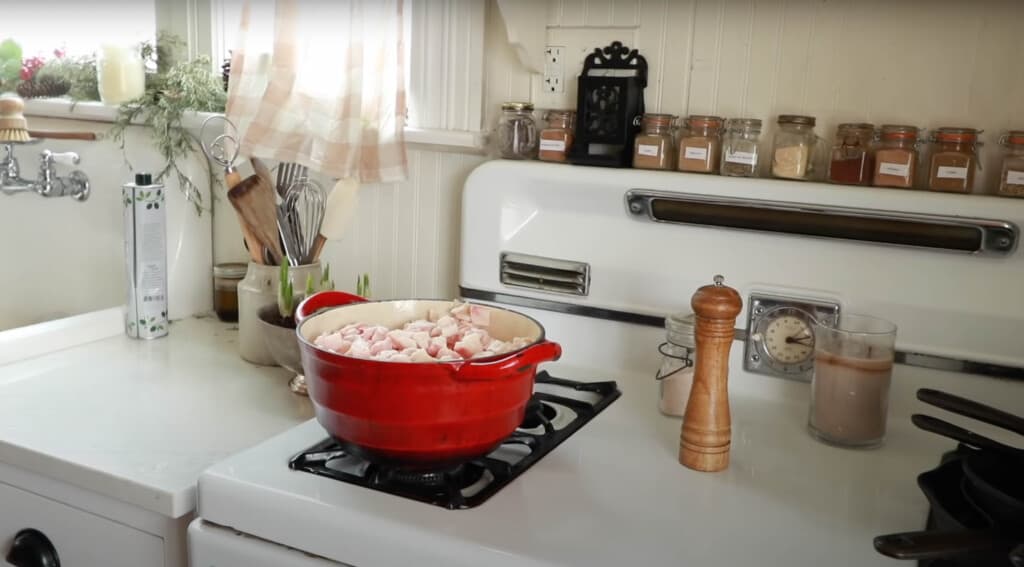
(341, 206)
(254, 200)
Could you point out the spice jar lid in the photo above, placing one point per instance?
(856, 126)
(230, 270)
(796, 119)
(517, 106)
(700, 120)
(1015, 137)
(659, 119)
(950, 134)
(751, 123)
(899, 131)
(679, 328)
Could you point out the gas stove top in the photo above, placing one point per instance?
(557, 409)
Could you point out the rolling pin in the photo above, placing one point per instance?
(707, 429)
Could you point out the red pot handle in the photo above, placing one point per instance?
(323, 300)
(543, 351)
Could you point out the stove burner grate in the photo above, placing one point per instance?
(469, 484)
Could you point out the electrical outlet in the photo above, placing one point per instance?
(554, 70)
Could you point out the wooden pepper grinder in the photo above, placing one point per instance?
(704, 440)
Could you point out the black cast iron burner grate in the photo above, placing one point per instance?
(472, 483)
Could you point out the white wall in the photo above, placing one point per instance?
(63, 257)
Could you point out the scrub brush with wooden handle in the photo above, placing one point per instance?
(13, 126)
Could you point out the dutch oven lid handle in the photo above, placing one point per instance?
(534, 354)
(324, 300)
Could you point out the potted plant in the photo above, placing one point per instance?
(277, 322)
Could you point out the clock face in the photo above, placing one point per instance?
(788, 339)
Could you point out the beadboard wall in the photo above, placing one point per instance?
(935, 63)
(405, 235)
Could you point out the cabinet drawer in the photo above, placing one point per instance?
(81, 539)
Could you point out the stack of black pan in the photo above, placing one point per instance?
(976, 494)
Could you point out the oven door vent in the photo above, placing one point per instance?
(545, 274)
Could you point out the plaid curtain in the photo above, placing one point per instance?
(321, 83)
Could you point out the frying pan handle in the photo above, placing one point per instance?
(971, 408)
(323, 300)
(957, 433)
(937, 544)
(543, 351)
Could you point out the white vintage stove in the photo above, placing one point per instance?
(599, 257)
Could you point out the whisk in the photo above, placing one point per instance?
(299, 218)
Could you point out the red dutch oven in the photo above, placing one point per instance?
(417, 415)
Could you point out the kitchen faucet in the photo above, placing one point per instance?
(48, 184)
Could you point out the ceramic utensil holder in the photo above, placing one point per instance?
(259, 288)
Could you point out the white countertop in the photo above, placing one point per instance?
(614, 494)
(139, 420)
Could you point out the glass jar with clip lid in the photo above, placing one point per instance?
(675, 376)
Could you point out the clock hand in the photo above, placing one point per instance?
(804, 340)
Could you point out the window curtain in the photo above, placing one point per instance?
(321, 83)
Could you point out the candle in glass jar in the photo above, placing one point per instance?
(851, 398)
(120, 74)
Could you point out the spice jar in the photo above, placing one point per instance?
(896, 157)
(675, 376)
(954, 157)
(654, 148)
(1011, 180)
(556, 139)
(852, 160)
(700, 146)
(225, 290)
(740, 147)
(516, 135)
(793, 147)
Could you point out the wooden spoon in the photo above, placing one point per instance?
(253, 199)
(340, 208)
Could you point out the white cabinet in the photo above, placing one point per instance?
(80, 538)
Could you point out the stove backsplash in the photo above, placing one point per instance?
(950, 304)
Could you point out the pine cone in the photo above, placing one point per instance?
(46, 86)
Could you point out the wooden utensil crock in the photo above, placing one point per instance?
(706, 434)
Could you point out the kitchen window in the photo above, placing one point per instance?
(444, 53)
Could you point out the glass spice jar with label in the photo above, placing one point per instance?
(1011, 180)
(852, 161)
(740, 147)
(896, 157)
(556, 139)
(700, 145)
(793, 147)
(654, 147)
(516, 136)
(954, 158)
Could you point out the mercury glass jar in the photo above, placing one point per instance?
(516, 136)
(740, 147)
(655, 147)
(675, 376)
(793, 147)
(1011, 180)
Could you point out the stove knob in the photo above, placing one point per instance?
(32, 549)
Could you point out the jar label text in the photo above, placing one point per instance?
(696, 153)
(951, 172)
(552, 145)
(1014, 177)
(888, 168)
(647, 150)
(746, 158)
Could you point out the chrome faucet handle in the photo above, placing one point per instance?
(63, 158)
